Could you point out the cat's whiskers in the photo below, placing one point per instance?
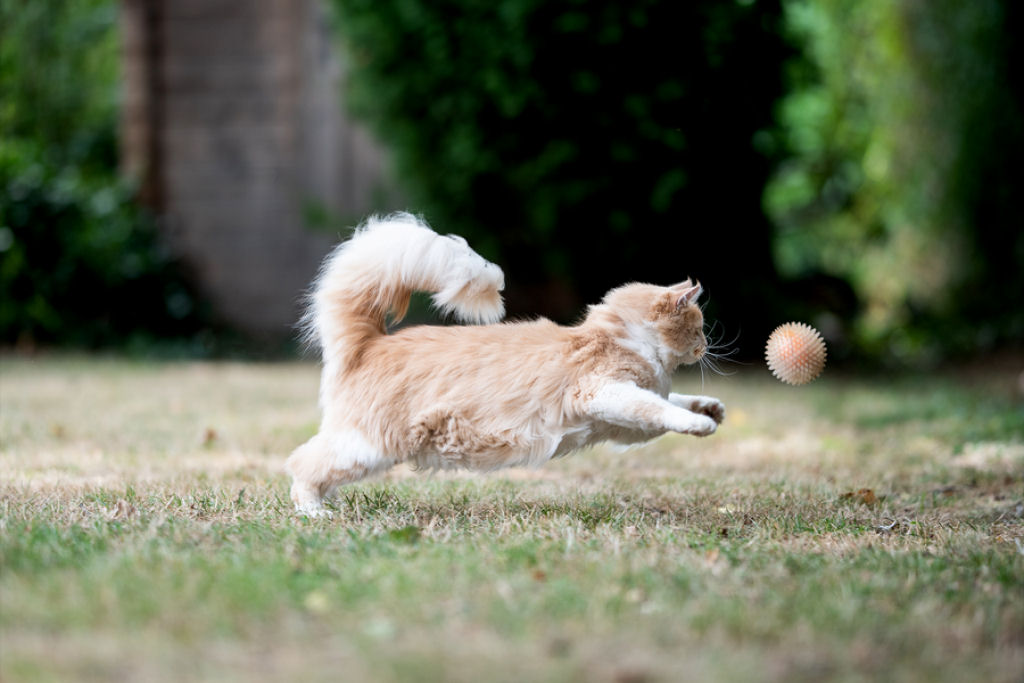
(717, 352)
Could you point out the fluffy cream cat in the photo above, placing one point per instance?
(481, 396)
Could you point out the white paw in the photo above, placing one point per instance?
(307, 502)
(698, 425)
(313, 511)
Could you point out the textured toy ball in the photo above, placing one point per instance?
(795, 353)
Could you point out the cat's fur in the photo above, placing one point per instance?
(481, 396)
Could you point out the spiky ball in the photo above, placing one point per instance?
(795, 353)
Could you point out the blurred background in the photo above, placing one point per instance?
(172, 173)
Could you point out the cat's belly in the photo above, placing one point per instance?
(620, 435)
(573, 439)
(591, 434)
(495, 451)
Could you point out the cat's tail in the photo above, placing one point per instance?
(373, 274)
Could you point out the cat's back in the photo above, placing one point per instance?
(527, 351)
(536, 357)
(500, 377)
(486, 349)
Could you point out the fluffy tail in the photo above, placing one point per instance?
(376, 271)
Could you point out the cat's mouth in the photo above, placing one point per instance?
(693, 356)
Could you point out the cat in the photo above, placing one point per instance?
(484, 395)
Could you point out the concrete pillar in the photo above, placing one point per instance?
(233, 123)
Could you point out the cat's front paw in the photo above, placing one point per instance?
(697, 425)
(712, 407)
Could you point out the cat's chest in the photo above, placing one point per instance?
(643, 364)
(662, 384)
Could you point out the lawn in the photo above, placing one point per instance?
(853, 529)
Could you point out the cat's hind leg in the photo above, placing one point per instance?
(327, 461)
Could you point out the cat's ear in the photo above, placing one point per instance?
(687, 295)
(685, 284)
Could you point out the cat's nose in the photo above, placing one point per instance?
(700, 350)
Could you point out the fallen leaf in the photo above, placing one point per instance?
(865, 496)
(713, 560)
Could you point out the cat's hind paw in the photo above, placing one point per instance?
(307, 502)
(313, 511)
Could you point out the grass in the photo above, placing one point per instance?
(853, 529)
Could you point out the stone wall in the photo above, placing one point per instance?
(232, 121)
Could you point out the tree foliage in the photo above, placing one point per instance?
(903, 126)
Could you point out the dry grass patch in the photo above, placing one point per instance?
(853, 529)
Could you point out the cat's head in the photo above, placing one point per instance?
(667, 317)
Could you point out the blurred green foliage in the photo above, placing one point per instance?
(582, 144)
(903, 127)
(81, 263)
